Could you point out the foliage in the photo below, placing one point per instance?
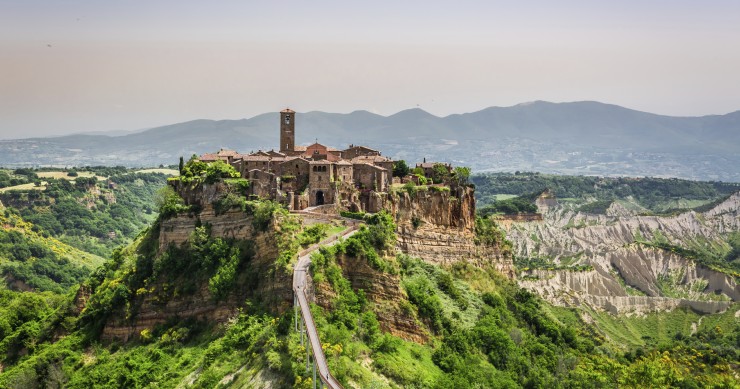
(440, 173)
(655, 194)
(313, 234)
(512, 206)
(353, 215)
(87, 214)
(596, 207)
(196, 171)
(169, 202)
(488, 233)
(461, 175)
(400, 168)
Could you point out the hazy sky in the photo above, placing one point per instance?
(74, 66)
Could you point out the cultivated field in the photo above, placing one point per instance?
(169, 172)
(64, 176)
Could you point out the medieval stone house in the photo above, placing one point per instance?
(309, 175)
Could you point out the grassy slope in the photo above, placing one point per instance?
(12, 222)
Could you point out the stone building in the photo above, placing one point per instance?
(311, 175)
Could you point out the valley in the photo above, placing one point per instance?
(629, 289)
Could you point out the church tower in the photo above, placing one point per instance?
(287, 131)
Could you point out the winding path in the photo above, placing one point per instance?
(300, 281)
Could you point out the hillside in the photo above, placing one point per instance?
(622, 245)
(203, 299)
(572, 138)
(31, 261)
(94, 210)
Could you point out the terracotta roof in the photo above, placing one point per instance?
(253, 158)
(368, 165)
(291, 159)
(427, 165)
(359, 147)
(371, 158)
(344, 162)
(287, 110)
(209, 157)
(323, 146)
(299, 148)
(227, 153)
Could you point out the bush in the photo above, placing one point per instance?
(353, 215)
(169, 202)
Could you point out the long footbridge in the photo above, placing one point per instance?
(304, 322)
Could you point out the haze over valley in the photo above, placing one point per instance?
(588, 138)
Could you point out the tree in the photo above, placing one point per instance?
(440, 173)
(400, 168)
(462, 175)
(182, 165)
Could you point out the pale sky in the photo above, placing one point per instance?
(79, 66)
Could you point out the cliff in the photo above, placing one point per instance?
(623, 275)
(382, 289)
(439, 227)
(260, 280)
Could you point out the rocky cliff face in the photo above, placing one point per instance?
(384, 290)
(625, 276)
(262, 281)
(439, 227)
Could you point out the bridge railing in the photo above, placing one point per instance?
(302, 300)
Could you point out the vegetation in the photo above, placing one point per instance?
(196, 171)
(400, 168)
(511, 206)
(657, 195)
(88, 214)
(482, 329)
(18, 177)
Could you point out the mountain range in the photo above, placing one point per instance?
(570, 138)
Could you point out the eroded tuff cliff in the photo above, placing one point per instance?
(623, 275)
(439, 227)
(382, 289)
(260, 280)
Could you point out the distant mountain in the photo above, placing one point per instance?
(576, 138)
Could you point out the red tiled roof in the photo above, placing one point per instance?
(209, 157)
(371, 158)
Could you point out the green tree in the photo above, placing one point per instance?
(400, 168)
(182, 165)
(440, 173)
(461, 175)
(169, 202)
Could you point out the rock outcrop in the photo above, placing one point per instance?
(439, 227)
(262, 281)
(622, 275)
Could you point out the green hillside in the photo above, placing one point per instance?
(92, 209)
(650, 195)
(29, 259)
(482, 330)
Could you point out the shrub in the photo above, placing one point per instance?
(353, 215)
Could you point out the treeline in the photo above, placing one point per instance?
(648, 192)
(18, 177)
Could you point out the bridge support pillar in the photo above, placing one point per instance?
(314, 373)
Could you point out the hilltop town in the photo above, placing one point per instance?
(318, 175)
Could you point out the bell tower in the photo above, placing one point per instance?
(287, 131)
